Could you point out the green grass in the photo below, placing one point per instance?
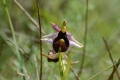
(103, 20)
(20, 61)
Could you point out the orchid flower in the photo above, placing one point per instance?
(61, 40)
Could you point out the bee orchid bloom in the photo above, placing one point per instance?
(51, 37)
(61, 40)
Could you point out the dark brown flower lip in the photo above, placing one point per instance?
(57, 44)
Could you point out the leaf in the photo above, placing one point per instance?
(67, 67)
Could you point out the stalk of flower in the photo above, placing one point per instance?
(61, 39)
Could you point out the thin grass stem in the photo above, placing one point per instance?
(15, 42)
(111, 57)
(85, 39)
(102, 71)
(112, 74)
(40, 31)
(77, 77)
(28, 15)
(36, 65)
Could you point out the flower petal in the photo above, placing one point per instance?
(70, 37)
(47, 40)
(55, 26)
(50, 36)
(74, 44)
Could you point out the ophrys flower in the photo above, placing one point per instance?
(61, 40)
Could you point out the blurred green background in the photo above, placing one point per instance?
(103, 20)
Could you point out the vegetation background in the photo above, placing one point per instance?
(103, 20)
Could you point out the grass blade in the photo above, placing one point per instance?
(15, 42)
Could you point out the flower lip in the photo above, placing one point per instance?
(61, 41)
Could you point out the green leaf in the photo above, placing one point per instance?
(67, 67)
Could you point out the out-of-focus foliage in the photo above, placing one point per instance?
(103, 20)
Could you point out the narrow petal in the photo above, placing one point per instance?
(47, 40)
(70, 37)
(55, 26)
(75, 44)
(50, 36)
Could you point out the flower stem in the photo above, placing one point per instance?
(60, 65)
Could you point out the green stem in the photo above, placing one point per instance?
(13, 34)
(60, 65)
